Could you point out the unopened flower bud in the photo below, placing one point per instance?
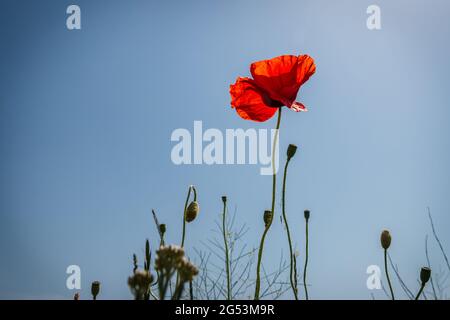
(162, 228)
(192, 211)
(292, 148)
(95, 289)
(268, 217)
(307, 214)
(385, 239)
(425, 274)
(224, 198)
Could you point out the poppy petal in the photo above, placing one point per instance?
(250, 102)
(297, 107)
(282, 76)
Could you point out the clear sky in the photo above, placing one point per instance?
(86, 118)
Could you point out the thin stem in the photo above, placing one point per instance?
(178, 291)
(438, 240)
(283, 202)
(420, 291)
(191, 291)
(306, 260)
(184, 216)
(274, 182)
(183, 236)
(387, 274)
(227, 260)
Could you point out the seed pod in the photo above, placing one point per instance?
(95, 289)
(307, 214)
(292, 148)
(162, 228)
(268, 216)
(192, 211)
(425, 274)
(385, 239)
(224, 198)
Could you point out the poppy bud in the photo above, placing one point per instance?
(192, 211)
(162, 228)
(268, 217)
(292, 148)
(425, 274)
(224, 198)
(307, 213)
(385, 239)
(95, 289)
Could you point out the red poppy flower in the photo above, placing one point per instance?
(275, 84)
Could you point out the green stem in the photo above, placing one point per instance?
(184, 216)
(306, 262)
(420, 291)
(387, 274)
(227, 261)
(283, 202)
(274, 182)
(183, 236)
(191, 291)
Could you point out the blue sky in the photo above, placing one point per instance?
(86, 118)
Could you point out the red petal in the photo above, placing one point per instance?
(282, 76)
(250, 102)
(297, 107)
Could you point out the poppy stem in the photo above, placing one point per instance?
(292, 277)
(387, 274)
(420, 291)
(227, 260)
(184, 216)
(274, 182)
(306, 257)
(183, 236)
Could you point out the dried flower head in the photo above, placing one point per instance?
(168, 258)
(385, 239)
(139, 283)
(162, 228)
(192, 211)
(187, 270)
(425, 274)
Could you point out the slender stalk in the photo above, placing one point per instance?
(283, 202)
(420, 291)
(387, 274)
(274, 182)
(306, 259)
(183, 236)
(184, 216)
(191, 291)
(227, 259)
